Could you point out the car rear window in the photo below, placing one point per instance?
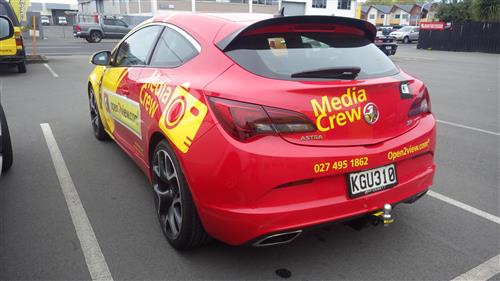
(279, 55)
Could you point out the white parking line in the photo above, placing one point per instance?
(465, 207)
(51, 70)
(94, 258)
(483, 271)
(468, 127)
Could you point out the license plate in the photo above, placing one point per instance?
(388, 47)
(369, 181)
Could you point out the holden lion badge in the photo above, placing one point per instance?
(370, 112)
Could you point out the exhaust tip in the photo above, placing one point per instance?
(278, 239)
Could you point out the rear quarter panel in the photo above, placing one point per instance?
(8, 46)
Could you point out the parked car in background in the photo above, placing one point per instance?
(406, 34)
(45, 20)
(6, 155)
(386, 44)
(62, 21)
(11, 40)
(106, 27)
(384, 30)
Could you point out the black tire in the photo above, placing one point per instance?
(95, 118)
(21, 67)
(96, 36)
(406, 40)
(88, 39)
(7, 155)
(174, 202)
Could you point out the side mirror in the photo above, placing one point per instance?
(101, 58)
(6, 28)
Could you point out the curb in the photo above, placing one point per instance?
(36, 59)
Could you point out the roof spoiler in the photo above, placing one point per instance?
(367, 28)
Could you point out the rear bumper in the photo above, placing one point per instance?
(19, 57)
(80, 35)
(246, 191)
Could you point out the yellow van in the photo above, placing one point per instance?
(12, 49)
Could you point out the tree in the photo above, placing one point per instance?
(455, 11)
(486, 10)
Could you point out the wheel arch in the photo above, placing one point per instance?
(89, 86)
(95, 30)
(156, 137)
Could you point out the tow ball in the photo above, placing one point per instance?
(384, 216)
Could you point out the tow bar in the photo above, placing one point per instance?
(385, 216)
(377, 218)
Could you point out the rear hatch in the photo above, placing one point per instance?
(327, 69)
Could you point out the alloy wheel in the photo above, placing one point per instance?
(96, 37)
(94, 114)
(167, 193)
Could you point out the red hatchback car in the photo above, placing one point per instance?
(252, 130)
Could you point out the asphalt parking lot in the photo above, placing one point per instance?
(453, 232)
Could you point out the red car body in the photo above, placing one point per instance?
(248, 188)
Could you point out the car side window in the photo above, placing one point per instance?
(134, 51)
(172, 50)
(120, 23)
(107, 22)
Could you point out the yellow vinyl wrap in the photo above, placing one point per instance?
(113, 79)
(183, 129)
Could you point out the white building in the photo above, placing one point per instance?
(342, 8)
(379, 15)
(153, 7)
(54, 9)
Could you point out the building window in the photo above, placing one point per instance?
(372, 17)
(319, 4)
(405, 16)
(344, 5)
(382, 16)
(398, 16)
(260, 2)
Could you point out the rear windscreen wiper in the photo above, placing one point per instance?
(349, 72)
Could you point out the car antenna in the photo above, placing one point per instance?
(280, 13)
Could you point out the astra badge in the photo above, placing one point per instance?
(370, 112)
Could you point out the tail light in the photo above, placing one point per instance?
(245, 121)
(78, 28)
(19, 39)
(422, 104)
